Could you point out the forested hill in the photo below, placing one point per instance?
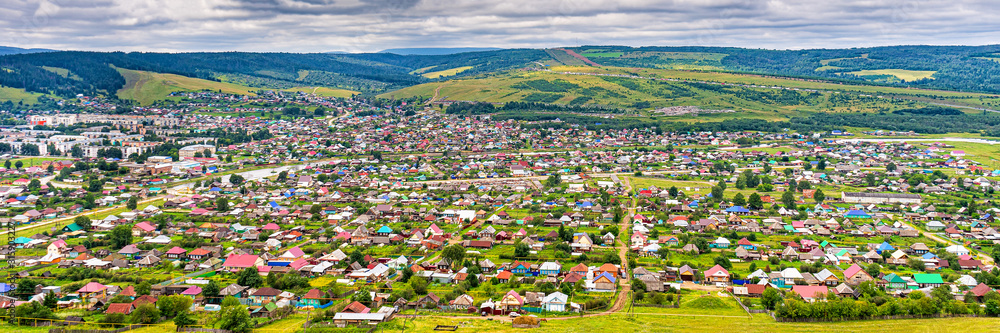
(94, 72)
(66, 73)
(965, 68)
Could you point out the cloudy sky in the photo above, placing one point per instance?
(372, 25)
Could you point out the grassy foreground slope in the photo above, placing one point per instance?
(663, 321)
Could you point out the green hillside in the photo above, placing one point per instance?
(16, 95)
(147, 87)
(685, 88)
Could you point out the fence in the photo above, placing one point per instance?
(829, 320)
(664, 306)
(201, 329)
(123, 329)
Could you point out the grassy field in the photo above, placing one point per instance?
(446, 72)
(147, 87)
(36, 161)
(62, 72)
(902, 74)
(325, 92)
(422, 70)
(645, 320)
(18, 95)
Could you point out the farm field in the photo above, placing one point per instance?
(902, 74)
(147, 87)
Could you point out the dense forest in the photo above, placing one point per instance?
(966, 68)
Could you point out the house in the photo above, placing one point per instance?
(717, 274)
(555, 302)
(854, 275)
(928, 280)
(549, 268)
(263, 295)
(238, 262)
(510, 302)
(811, 293)
(122, 308)
(604, 282)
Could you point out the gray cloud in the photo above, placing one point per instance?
(371, 25)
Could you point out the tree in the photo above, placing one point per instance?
(722, 261)
(83, 221)
(282, 176)
(76, 151)
(120, 236)
(770, 298)
(34, 184)
(819, 196)
(821, 165)
(236, 179)
(18, 164)
(521, 250)
(6, 164)
(229, 301)
(133, 203)
(173, 305)
(701, 244)
(50, 301)
(235, 318)
(755, 202)
(146, 314)
(454, 253)
(739, 200)
(211, 291)
(673, 191)
(788, 199)
(222, 204)
(553, 181)
(717, 193)
(419, 285)
(249, 277)
(320, 112)
(143, 288)
(184, 319)
(363, 296)
(890, 167)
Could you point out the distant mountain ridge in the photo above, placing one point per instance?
(5, 50)
(437, 50)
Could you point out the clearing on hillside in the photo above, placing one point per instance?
(147, 87)
(902, 74)
(18, 95)
(324, 91)
(446, 72)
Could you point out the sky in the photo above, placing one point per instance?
(373, 25)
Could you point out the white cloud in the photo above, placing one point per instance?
(371, 25)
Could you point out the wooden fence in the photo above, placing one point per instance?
(64, 330)
(665, 306)
(201, 329)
